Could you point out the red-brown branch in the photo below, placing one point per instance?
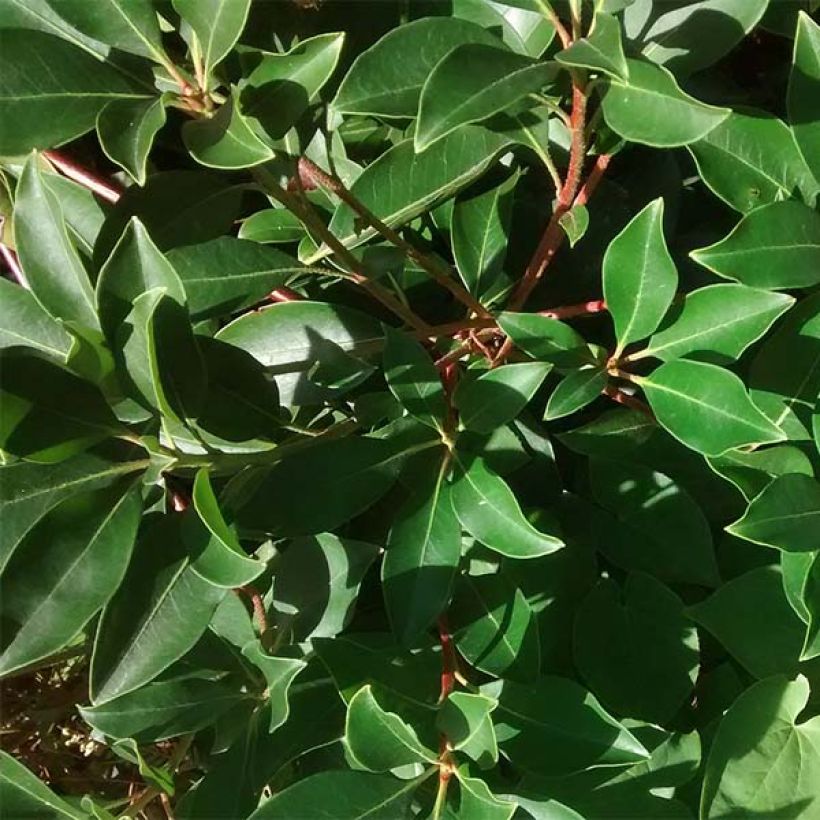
(628, 401)
(258, 605)
(449, 661)
(102, 188)
(571, 311)
(284, 295)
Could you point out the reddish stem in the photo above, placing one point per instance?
(449, 661)
(284, 295)
(570, 311)
(258, 606)
(628, 401)
(594, 178)
(81, 176)
(13, 264)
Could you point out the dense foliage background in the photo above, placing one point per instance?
(410, 409)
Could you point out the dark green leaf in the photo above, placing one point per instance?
(575, 391)
(601, 50)
(272, 225)
(24, 795)
(24, 322)
(279, 674)
(126, 130)
(546, 339)
(804, 112)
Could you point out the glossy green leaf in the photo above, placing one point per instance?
(575, 391)
(480, 233)
(750, 160)
(24, 322)
(495, 628)
(752, 618)
(279, 674)
(23, 794)
(317, 584)
(84, 213)
(422, 554)
(272, 225)
(662, 529)
(787, 395)
(159, 612)
(471, 83)
(350, 474)
(557, 727)
(49, 413)
(348, 794)
(786, 515)
(226, 275)
(86, 542)
(401, 184)
(706, 407)
(752, 471)
(126, 130)
(524, 31)
(601, 50)
(52, 91)
(717, 322)
(650, 108)
(776, 246)
(477, 801)
(547, 339)
(613, 629)
(216, 554)
(640, 278)
(380, 740)
(811, 601)
(386, 79)
(575, 223)
(28, 491)
(762, 762)
(166, 708)
(290, 337)
(278, 90)
(466, 720)
(804, 112)
(413, 378)
(217, 25)
(498, 395)
(488, 510)
(50, 261)
(227, 140)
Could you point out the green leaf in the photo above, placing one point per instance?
(651, 109)
(718, 322)
(50, 261)
(480, 234)
(614, 628)
(601, 50)
(757, 751)
(785, 515)
(575, 391)
(166, 708)
(49, 413)
(466, 721)
(695, 35)
(413, 378)
(662, 530)
(279, 675)
(776, 246)
(477, 802)
(706, 407)
(787, 395)
(28, 491)
(379, 740)
(804, 110)
(471, 83)
(752, 618)
(227, 275)
(488, 510)
(159, 612)
(86, 542)
(751, 472)
(84, 214)
(24, 322)
(217, 25)
(348, 794)
(126, 130)
(546, 339)
(557, 727)
(25, 795)
(524, 31)
(227, 140)
(279, 90)
(317, 584)
(422, 554)
(575, 223)
(640, 278)
(497, 396)
(350, 474)
(215, 550)
(386, 79)
(401, 184)
(494, 627)
(751, 159)
(273, 225)
(288, 338)
(52, 101)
